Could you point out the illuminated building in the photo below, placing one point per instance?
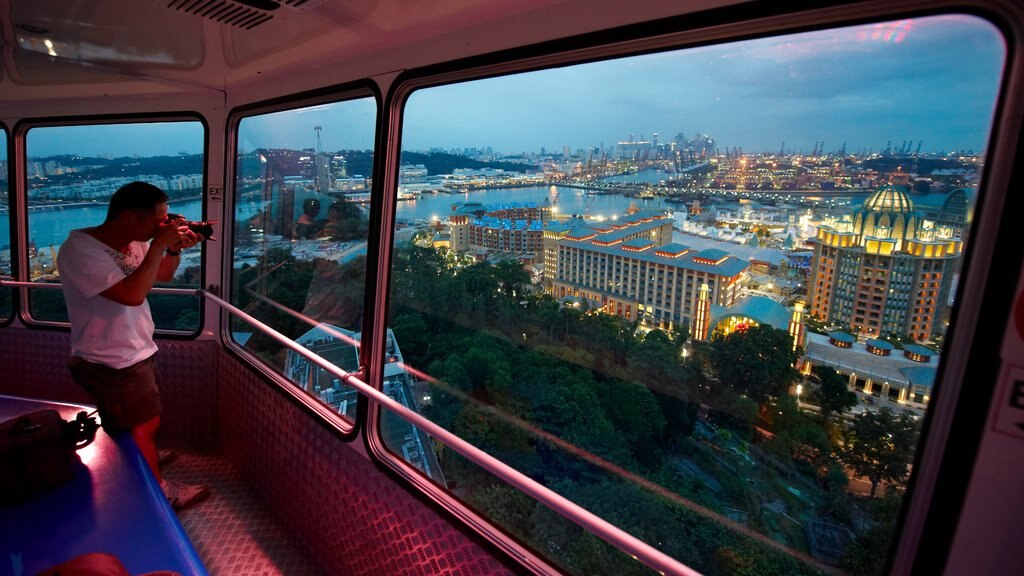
(884, 270)
(501, 228)
(754, 311)
(630, 268)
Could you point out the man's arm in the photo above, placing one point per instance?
(168, 266)
(133, 289)
(169, 263)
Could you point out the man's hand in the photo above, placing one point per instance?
(182, 238)
(169, 235)
(186, 239)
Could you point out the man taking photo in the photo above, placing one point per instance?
(107, 271)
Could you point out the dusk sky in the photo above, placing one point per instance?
(932, 80)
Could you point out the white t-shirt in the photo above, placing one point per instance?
(103, 331)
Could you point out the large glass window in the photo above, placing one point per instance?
(302, 193)
(6, 308)
(620, 278)
(71, 173)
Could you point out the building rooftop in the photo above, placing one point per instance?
(468, 208)
(608, 238)
(712, 254)
(673, 249)
(920, 375)
(729, 266)
(638, 243)
(741, 251)
(506, 224)
(919, 350)
(762, 309)
(626, 222)
(633, 227)
(881, 344)
(895, 369)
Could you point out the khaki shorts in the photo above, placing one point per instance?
(125, 397)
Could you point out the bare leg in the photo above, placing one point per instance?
(145, 436)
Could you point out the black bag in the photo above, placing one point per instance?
(37, 452)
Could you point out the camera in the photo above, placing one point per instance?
(203, 228)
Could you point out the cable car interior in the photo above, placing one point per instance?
(545, 286)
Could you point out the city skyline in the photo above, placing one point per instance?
(864, 85)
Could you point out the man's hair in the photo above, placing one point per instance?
(135, 196)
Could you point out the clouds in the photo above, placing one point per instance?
(931, 79)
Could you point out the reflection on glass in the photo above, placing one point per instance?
(301, 213)
(701, 293)
(72, 171)
(6, 302)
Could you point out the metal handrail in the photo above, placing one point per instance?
(608, 532)
(58, 286)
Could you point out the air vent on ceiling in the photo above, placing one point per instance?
(246, 14)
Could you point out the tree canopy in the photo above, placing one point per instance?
(880, 446)
(832, 394)
(757, 362)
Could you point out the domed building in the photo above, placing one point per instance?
(884, 269)
(887, 214)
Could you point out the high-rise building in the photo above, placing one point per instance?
(884, 270)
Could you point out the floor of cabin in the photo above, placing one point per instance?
(233, 532)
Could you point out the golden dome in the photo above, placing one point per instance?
(889, 198)
(888, 213)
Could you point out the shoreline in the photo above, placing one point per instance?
(610, 188)
(49, 207)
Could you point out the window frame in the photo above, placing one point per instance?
(20, 223)
(343, 428)
(932, 470)
(12, 206)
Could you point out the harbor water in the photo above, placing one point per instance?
(50, 227)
